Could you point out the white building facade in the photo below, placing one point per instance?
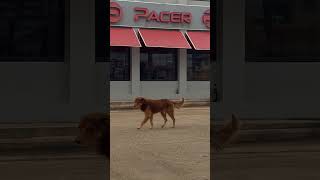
(159, 49)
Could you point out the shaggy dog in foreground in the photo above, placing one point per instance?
(95, 132)
(226, 134)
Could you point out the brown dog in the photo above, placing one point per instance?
(151, 107)
(226, 134)
(94, 132)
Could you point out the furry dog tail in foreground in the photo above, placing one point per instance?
(227, 133)
(94, 131)
(178, 104)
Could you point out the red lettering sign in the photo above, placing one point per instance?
(187, 17)
(206, 18)
(143, 13)
(115, 12)
(163, 16)
(153, 16)
(175, 17)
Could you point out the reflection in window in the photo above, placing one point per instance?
(158, 64)
(32, 30)
(101, 32)
(198, 65)
(283, 28)
(120, 64)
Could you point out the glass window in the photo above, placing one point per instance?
(158, 64)
(32, 30)
(198, 65)
(120, 64)
(101, 30)
(282, 29)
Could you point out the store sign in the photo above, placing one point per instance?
(159, 15)
(163, 16)
(115, 12)
(206, 18)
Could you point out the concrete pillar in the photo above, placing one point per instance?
(182, 72)
(82, 56)
(135, 72)
(233, 53)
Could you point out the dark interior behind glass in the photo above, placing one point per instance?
(282, 29)
(120, 63)
(198, 65)
(158, 64)
(32, 30)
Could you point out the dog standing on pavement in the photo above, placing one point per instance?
(152, 106)
(226, 134)
(95, 132)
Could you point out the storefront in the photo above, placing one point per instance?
(268, 59)
(48, 69)
(159, 50)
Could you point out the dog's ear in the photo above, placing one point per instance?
(139, 99)
(142, 100)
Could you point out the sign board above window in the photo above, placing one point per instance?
(159, 15)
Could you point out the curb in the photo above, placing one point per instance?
(277, 135)
(37, 131)
(275, 131)
(273, 124)
(43, 145)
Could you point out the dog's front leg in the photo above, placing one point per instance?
(151, 121)
(164, 118)
(143, 122)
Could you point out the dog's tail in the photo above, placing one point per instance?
(227, 133)
(178, 104)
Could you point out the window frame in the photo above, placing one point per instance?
(46, 59)
(102, 55)
(128, 51)
(280, 59)
(151, 50)
(199, 52)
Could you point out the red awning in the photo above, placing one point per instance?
(164, 38)
(123, 37)
(200, 40)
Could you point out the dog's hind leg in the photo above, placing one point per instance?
(164, 118)
(171, 114)
(151, 121)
